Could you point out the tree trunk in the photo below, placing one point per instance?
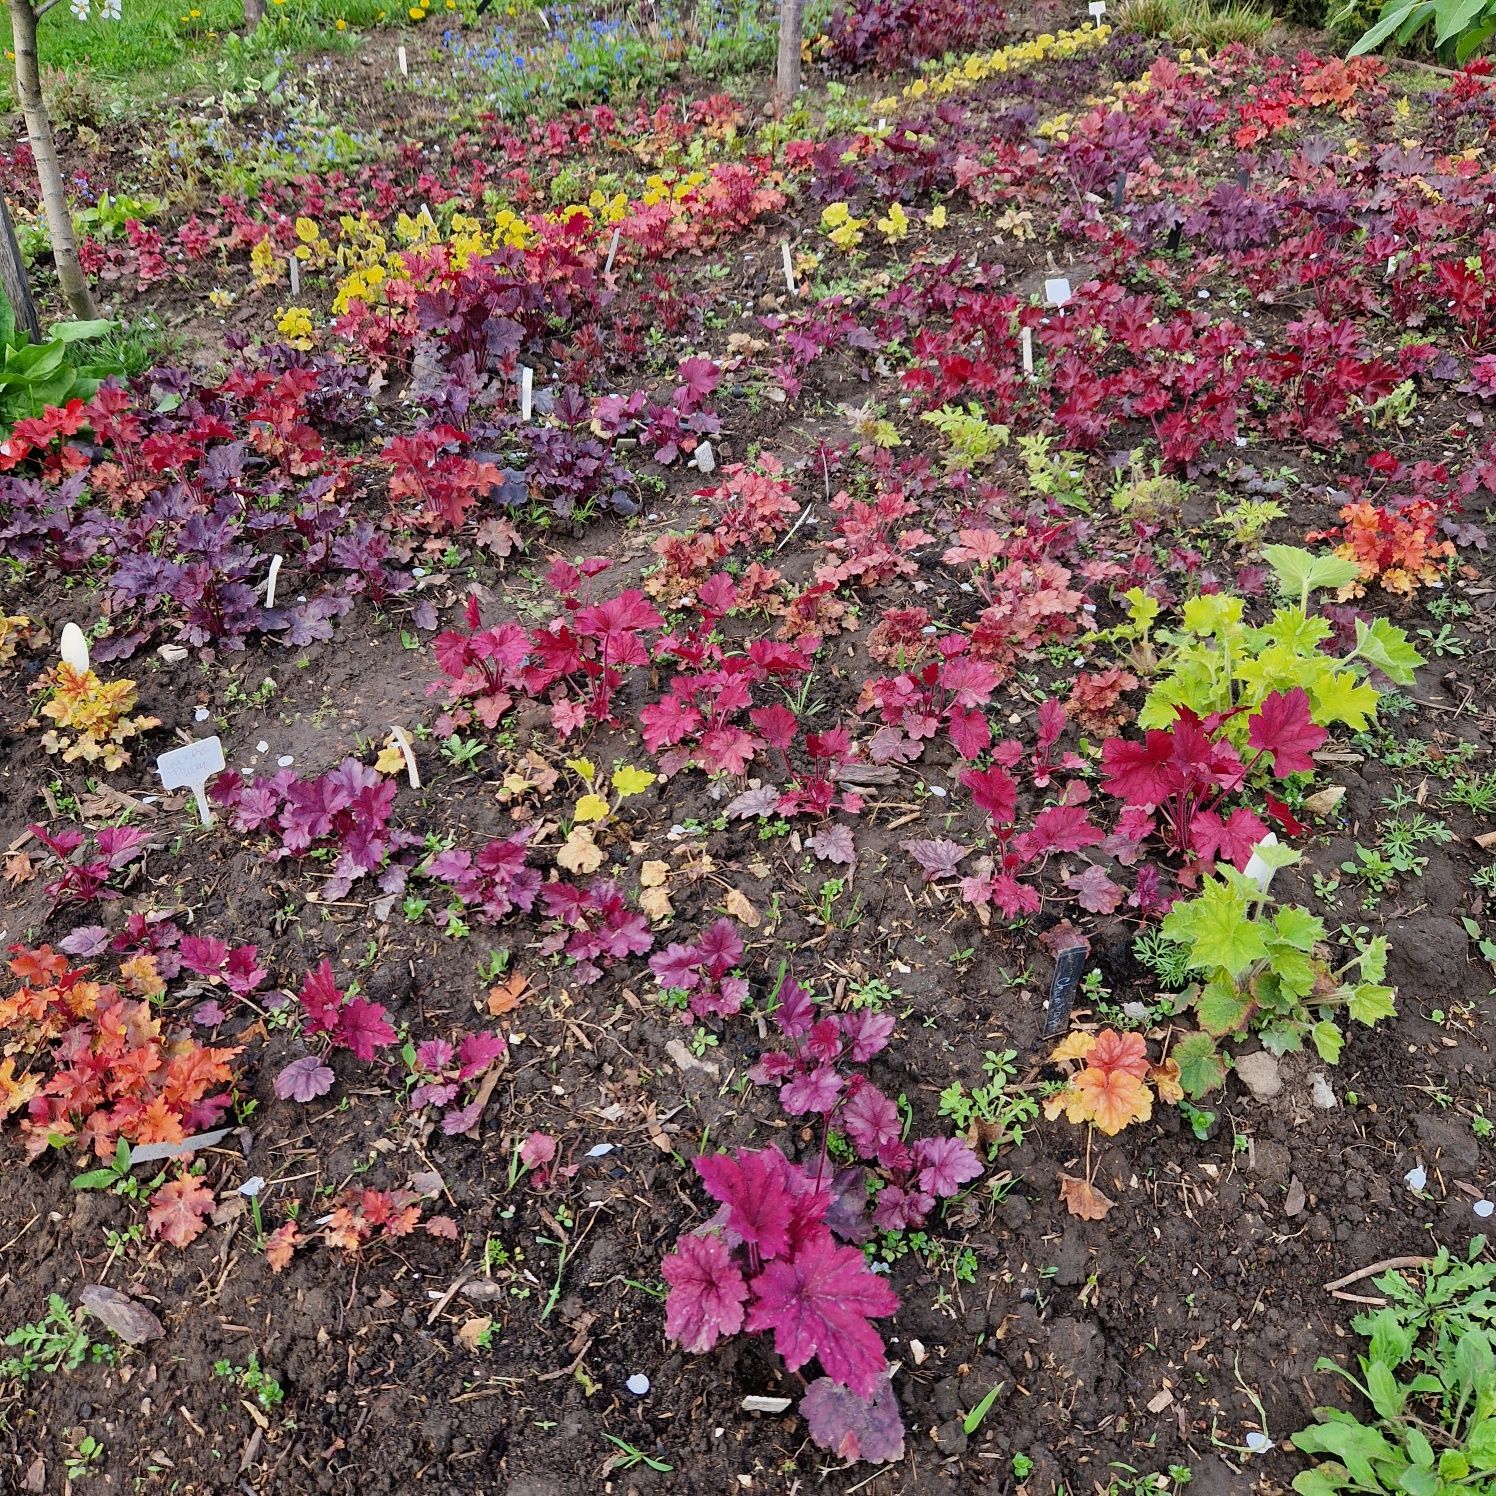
(48, 168)
(254, 13)
(13, 278)
(787, 80)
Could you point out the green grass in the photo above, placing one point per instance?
(164, 37)
(1196, 23)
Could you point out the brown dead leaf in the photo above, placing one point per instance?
(655, 902)
(654, 874)
(507, 995)
(18, 868)
(1323, 802)
(741, 909)
(473, 1330)
(580, 854)
(1083, 1199)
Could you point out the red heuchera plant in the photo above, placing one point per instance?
(349, 1022)
(704, 971)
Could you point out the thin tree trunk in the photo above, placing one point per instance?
(787, 79)
(13, 278)
(254, 13)
(44, 149)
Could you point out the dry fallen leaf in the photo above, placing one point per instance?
(1324, 801)
(18, 868)
(654, 874)
(473, 1330)
(127, 1317)
(580, 854)
(655, 902)
(740, 908)
(1083, 1199)
(507, 995)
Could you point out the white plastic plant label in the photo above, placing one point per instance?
(1026, 337)
(191, 767)
(526, 391)
(1097, 9)
(789, 266)
(73, 648)
(1260, 868)
(1057, 291)
(275, 566)
(404, 62)
(295, 267)
(612, 251)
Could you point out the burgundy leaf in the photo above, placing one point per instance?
(851, 1427)
(1094, 890)
(820, 1304)
(753, 1186)
(937, 856)
(303, 1080)
(1282, 727)
(946, 1164)
(705, 1302)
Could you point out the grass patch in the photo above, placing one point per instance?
(1196, 23)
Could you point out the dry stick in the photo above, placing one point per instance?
(1387, 1264)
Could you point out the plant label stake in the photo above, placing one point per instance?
(1097, 9)
(295, 276)
(789, 266)
(526, 391)
(404, 62)
(1057, 291)
(191, 767)
(73, 648)
(1026, 336)
(275, 566)
(402, 741)
(1069, 963)
(612, 251)
(1119, 192)
(1258, 869)
(1391, 265)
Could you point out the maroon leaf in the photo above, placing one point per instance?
(993, 790)
(834, 844)
(820, 1304)
(852, 1427)
(815, 1091)
(705, 1302)
(937, 856)
(1094, 890)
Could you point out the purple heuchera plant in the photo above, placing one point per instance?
(704, 971)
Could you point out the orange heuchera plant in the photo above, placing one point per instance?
(1400, 548)
(1114, 1086)
(92, 716)
(97, 1065)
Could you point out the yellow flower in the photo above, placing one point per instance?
(220, 299)
(295, 324)
(340, 24)
(415, 12)
(936, 217)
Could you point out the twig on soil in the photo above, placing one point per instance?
(1387, 1265)
(566, 1371)
(446, 1298)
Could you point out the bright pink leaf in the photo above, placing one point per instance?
(705, 1302)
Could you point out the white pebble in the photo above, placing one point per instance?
(1258, 1443)
(1484, 1209)
(200, 715)
(1416, 1178)
(262, 746)
(638, 1384)
(285, 761)
(600, 1150)
(252, 1186)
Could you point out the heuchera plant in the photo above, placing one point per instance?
(773, 1257)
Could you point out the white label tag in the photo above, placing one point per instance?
(191, 767)
(404, 63)
(612, 251)
(1097, 9)
(1258, 869)
(1057, 292)
(275, 566)
(526, 391)
(1026, 336)
(789, 267)
(295, 276)
(73, 648)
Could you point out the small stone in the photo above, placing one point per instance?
(950, 1438)
(1295, 1200)
(1258, 1443)
(285, 761)
(1484, 1209)
(638, 1384)
(1321, 1093)
(1416, 1178)
(1259, 1073)
(200, 715)
(262, 746)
